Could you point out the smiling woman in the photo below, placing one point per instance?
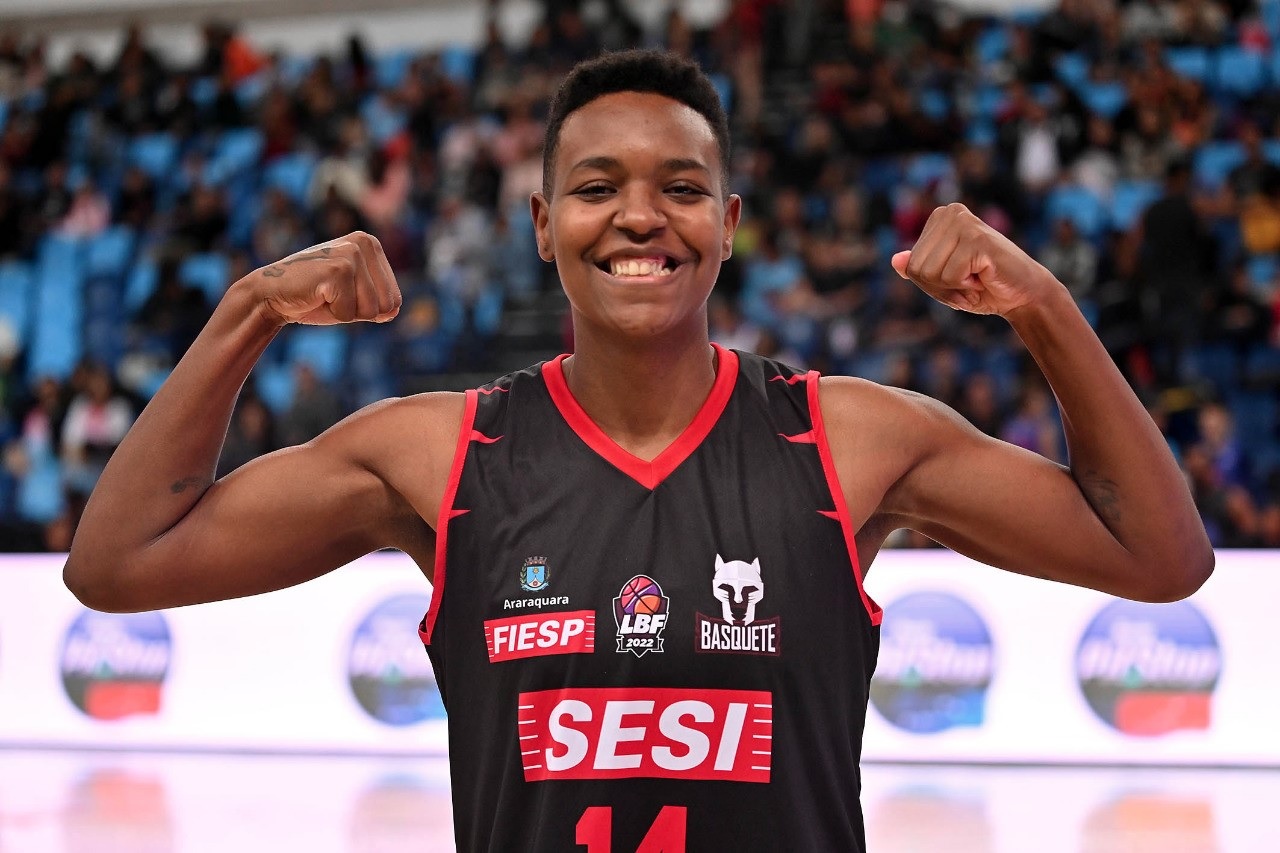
(635, 198)
(658, 478)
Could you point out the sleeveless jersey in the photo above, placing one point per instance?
(642, 656)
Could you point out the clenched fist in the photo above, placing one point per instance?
(341, 281)
(962, 262)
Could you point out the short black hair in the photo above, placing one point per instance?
(658, 71)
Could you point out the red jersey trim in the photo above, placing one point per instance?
(837, 494)
(447, 512)
(647, 473)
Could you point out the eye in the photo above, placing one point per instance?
(593, 191)
(686, 191)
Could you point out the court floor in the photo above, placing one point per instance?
(104, 802)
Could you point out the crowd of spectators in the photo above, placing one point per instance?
(1132, 147)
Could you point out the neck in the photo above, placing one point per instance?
(641, 394)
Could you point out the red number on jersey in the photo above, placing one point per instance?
(666, 834)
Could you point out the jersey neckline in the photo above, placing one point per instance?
(647, 473)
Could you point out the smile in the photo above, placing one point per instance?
(639, 269)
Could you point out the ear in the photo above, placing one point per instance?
(719, 563)
(540, 210)
(755, 564)
(732, 216)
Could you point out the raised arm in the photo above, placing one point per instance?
(158, 531)
(1119, 519)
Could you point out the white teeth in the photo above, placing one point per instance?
(643, 267)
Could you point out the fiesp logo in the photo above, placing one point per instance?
(1149, 669)
(538, 634)
(935, 664)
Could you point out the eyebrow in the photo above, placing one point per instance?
(676, 164)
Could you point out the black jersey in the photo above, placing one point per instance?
(641, 656)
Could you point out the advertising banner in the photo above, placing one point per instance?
(976, 665)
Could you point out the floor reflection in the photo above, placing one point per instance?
(101, 802)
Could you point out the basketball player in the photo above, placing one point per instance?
(648, 618)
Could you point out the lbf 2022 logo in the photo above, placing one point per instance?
(114, 665)
(390, 672)
(641, 613)
(935, 664)
(1149, 669)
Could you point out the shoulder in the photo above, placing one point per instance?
(879, 435)
(852, 403)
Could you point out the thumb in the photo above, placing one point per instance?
(900, 260)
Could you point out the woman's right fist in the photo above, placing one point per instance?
(341, 281)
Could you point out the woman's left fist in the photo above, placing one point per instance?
(963, 262)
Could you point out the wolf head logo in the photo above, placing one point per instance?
(739, 587)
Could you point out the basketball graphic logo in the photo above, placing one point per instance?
(640, 611)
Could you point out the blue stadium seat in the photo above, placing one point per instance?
(17, 297)
(60, 261)
(322, 347)
(1072, 68)
(992, 44)
(1079, 205)
(244, 215)
(156, 154)
(926, 169)
(104, 340)
(235, 153)
(275, 386)
(249, 91)
(724, 88)
(1190, 62)
(1214, 160)
(458, 62)
(110, 253)
(881, 175)
(389, 68)
(40, 497)
(1255, 417)
(204, 90)
(982, 133)
(140, 284)
(292, 174)
(934, 103)
(1261, 270)
(872, 365)
(56, 346)
(1239, 71)
(1129, 200)
(208, 273)
(1270, 10)
(1262, 366)
(381, 118)
(1105, 99)
(1217, 364)
(987, 102)
(292, 69)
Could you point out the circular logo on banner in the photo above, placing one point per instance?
(114, 664)
(935, 664)
(1149, 669)
(390, 672)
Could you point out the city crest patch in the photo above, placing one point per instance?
(534, 574)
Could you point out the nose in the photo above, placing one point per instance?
(639, 213)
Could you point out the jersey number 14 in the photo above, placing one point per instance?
(665, 835)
